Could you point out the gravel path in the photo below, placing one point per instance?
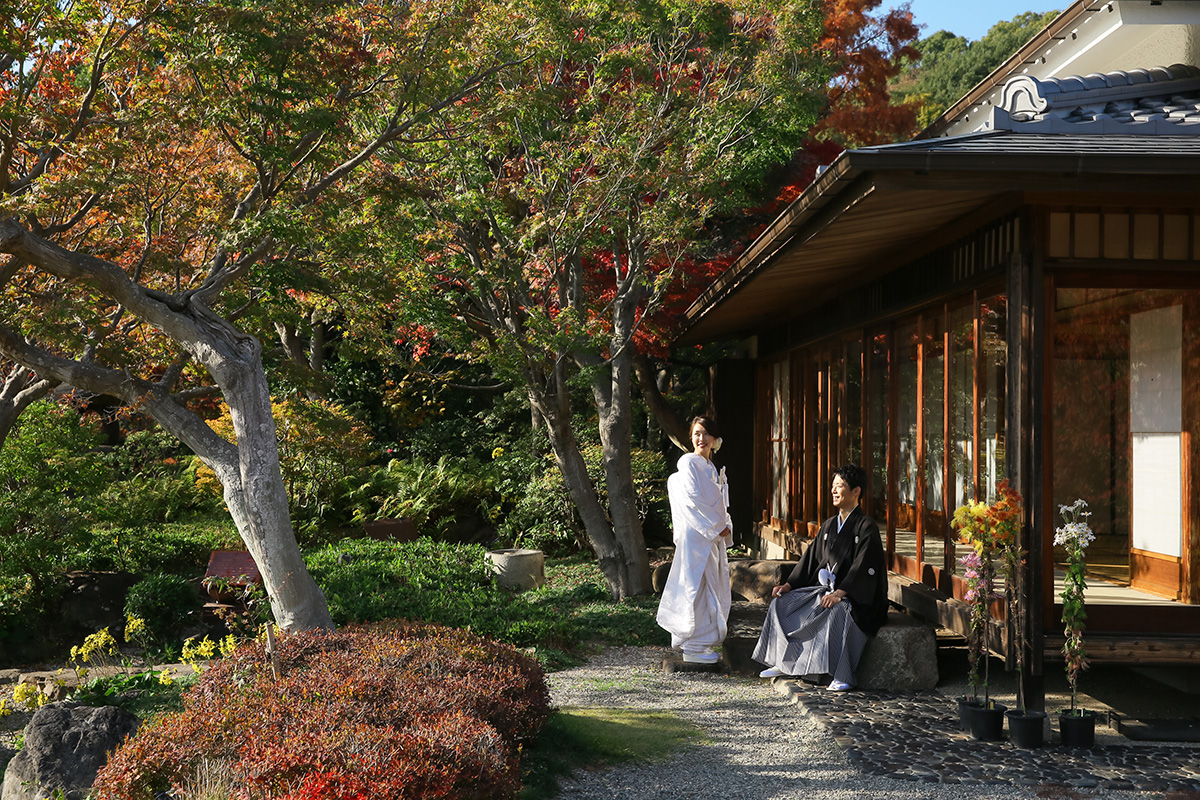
(762, 747)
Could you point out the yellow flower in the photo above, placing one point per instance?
(227, 646)
(4, 709)
(30, 696)
(135, 628)
(165, 678)
(194, 652)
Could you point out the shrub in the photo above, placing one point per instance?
(451, 584)
(167, 603)
(181, 548)
(397, 711)
(544, 516)
(434, 496)
(437, 582)
(153, 479)
(48, 479)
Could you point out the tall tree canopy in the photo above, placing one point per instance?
(560, 219)
(950, 66)
(165, 166)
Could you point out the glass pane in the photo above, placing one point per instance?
(779, 440)
(1118, 366)
(878, 409)
(993, 323)
(933, 407)
(906, 423)
(962, 403)
(852, 404)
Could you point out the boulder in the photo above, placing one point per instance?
(66, 744)
(753, 580)
(901, 657)
(658, 578)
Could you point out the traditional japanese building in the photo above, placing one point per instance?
(1013, 294)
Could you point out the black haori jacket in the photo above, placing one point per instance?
(855, 557)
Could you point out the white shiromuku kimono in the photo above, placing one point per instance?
(695, 601)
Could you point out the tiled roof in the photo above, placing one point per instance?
(1016, 143)
(1157, 101)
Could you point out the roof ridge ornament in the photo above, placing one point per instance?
(1025, 94)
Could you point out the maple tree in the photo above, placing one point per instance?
(559, 220)
(169, 166)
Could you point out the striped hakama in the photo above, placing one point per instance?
(801, 638)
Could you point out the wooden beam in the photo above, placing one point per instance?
(1131, 649)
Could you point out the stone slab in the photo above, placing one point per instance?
(901, 657)
(679, 665)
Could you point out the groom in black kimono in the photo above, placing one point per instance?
(835, 598)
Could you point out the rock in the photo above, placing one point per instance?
(6, 756)
(658, 578)
(901, 657)
(9, 675)
(753, 580)
(65, 746)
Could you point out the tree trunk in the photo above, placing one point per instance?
(249, 471)
(612, 392)
(21, 389)
(673, 425)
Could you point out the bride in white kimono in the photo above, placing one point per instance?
(695, 601)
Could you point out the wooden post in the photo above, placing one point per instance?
(272, 653)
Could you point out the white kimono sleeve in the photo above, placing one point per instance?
(697, 499)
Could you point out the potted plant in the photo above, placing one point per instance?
(1025, 727)
(978, 526)
(1076, 725)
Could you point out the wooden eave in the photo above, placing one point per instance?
(874, 207)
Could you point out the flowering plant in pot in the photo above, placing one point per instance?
(1006, 517)
(992, 531)
(1074, 536)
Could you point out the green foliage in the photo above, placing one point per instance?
(590, 738)
(397, 711)
(153, 479)
(449, 584)
(143, 693)
(48, 482)
(167, 603)
(544, 517)
(323, 451)
(180, 548)
(951, 66)
(434, 496)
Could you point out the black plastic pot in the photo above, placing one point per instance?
(986, 724)
(1077, 730)
(1026, 728)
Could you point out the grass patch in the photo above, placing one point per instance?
(586, 738)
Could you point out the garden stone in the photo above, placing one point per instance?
(65, 746)
(658, 578)
(6, 756)
(901, 657)
(752, 579)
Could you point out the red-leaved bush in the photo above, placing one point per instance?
(394, 710)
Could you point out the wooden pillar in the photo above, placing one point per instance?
(1025, 443)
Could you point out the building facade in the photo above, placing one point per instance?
(1013, 295)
